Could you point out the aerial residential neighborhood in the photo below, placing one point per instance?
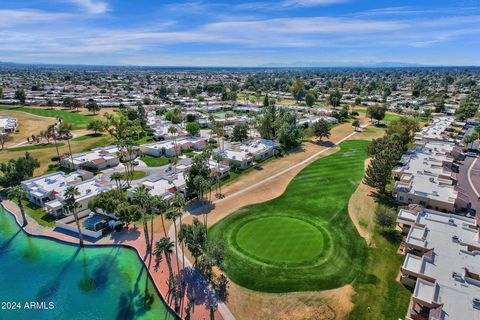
(250, 160)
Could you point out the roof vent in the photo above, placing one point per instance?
(476, 303)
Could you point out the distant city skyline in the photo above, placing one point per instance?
(236, 34)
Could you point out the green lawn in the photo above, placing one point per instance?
(36, 147)
(78, 120)
(87, 137)
(262, 237)
(145, 140)
(391, 116)
(304, 240)
(101, 142)
(136, 175)
(377, 288)
(155, 161)
(38, 214)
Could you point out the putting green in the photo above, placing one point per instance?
(303, 240)
(279, 239)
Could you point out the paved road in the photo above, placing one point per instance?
(469, 180)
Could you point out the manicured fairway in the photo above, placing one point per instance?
(78, 120)
(303, 240)
(280, 239)
(36, 147)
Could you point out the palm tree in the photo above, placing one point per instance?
(65, 129)
(117, 177)
(173, 131)
(71, 206)
(17, 193)
(159, 205)
(201, 185)
(178, 203)
(182, 237)
(165, 246)
(53, 132)
(173, 214)
(218, 158)
(141, 196)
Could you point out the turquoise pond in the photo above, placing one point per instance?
(89, 283)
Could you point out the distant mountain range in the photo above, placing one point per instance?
(302, 64)
(294, 65)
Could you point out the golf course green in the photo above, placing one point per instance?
(303, 240)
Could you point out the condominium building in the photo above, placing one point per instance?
(437, 130)
(442, 264)
(428, 175)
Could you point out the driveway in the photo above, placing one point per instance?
(153, 173)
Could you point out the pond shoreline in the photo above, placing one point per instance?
(159, 276)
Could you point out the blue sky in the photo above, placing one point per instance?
(240, 33)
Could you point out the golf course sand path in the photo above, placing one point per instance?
(268, 186)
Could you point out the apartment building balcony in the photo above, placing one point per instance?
(401, 186)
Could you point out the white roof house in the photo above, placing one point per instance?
(100, 158)
(48, 191)
(171, 148)
(245, 153)
(443, 264)
(7, 124)
(166, 187)
(260, 149)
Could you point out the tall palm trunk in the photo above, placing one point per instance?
(22, 211)
(176, 244)
(145, 229)
(71, 154)
(183, 251)
(219, 175)
(80, 235)
(172, 280)
(163, 226)
(125, 167)
(206, 223)
(56, 146)
(151, 230)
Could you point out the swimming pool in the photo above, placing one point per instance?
(46, 279)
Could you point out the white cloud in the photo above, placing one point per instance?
(91, 6)
(287, 4)
(51, 35)
(10, 18)
(309, 3)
